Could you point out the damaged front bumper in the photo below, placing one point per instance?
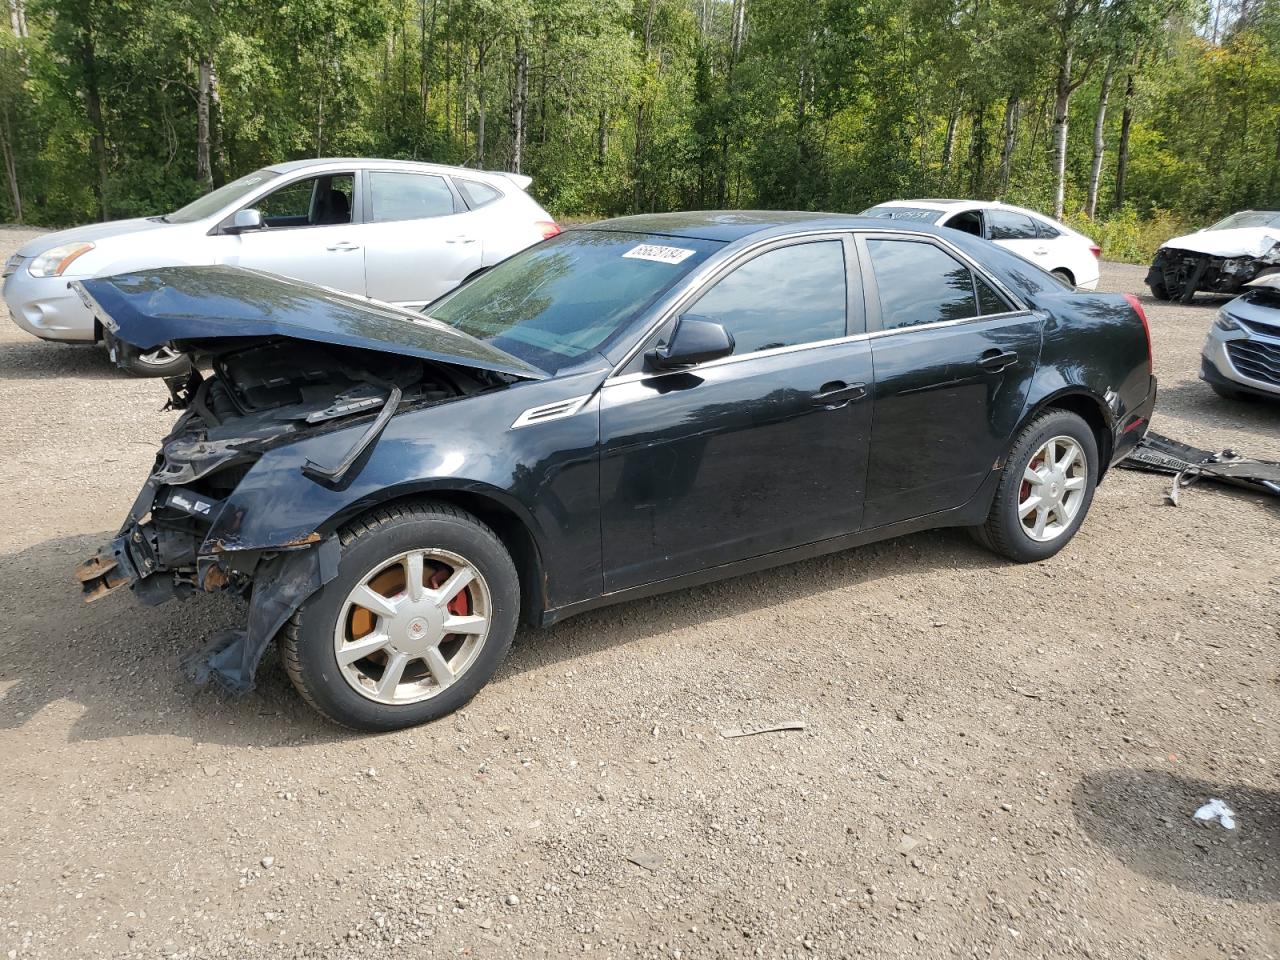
(1180, 274)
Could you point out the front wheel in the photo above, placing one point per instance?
(1045, 490)
(419, 617)
(161, 361)
(1160, 291)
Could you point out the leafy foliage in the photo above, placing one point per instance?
(616, 106)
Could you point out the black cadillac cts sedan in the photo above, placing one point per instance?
(635, 406)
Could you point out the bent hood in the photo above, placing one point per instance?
(158, 306)
(92, 233)
(1238, 242)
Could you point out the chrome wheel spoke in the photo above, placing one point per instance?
(468, 625)
(1042, 517)
(1031, 503)
(391, 674)
(1031, 476)
(361, 648)
(1069, 458)
(457, 582)
(414, 586)
(1074, 483)
(441, 672)
(365, 596)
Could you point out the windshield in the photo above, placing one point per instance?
(1249, 218)
(224, 196)
(567, 297)
(918, 214)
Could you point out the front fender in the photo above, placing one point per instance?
(545, 474)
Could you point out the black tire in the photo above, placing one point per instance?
(1160, 291)
(145, 363)
(308, 649)
(1003, 532)
(1065, 276)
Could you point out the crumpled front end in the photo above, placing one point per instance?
(1182, 273)
(178, 538)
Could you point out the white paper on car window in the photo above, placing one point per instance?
(659, 254)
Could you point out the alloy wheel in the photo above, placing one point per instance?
(412, 626)
(1053, 489)
(160, 356)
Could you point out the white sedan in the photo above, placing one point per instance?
(400, 232)
(1070, 256)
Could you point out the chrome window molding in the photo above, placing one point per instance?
(700, 284)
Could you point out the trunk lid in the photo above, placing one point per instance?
(195, 304)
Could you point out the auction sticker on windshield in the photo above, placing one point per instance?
(652, 251)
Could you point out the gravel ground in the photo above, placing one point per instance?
(999, 761)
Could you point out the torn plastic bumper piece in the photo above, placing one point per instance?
(281, 584)
(1187, 464)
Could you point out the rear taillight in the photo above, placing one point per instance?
(1096, 251)
(548, 228)
(1146, 326)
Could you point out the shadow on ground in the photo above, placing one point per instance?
(35, 360)
(119, 660)
(1144, 819)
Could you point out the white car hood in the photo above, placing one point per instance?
(1240, 242)
(92, 232)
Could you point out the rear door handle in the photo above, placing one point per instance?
(1041, 251)
(837, 394)
(997, 360)
(461, 238)
(343, 246)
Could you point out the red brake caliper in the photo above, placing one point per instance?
(1025, 490)
(459, 606)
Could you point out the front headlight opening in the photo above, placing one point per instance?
(1224, 321)
(54, 262)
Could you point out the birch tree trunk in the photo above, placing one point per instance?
(519, 98)
(1122, 149)
(10, 164)
(1099, 139)
(1061, 104)
(1011, 112)
(204, 161)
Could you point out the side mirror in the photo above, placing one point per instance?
(695, 340)
(242, 221)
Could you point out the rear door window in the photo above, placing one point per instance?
(408, 196)
(783, 297)
(1007, 225)
(919, 283)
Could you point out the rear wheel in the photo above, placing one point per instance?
(1045, 490)
(1064, 276)
(422, 611)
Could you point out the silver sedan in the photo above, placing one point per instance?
(400, 232)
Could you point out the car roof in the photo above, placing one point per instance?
(318, 163)
(731, 225)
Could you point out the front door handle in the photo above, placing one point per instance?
(1041, 251)
(343, 246)
(997, 360)
(837, 394)
(461, 238)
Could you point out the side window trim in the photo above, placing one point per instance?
(875, 326)
(856, 299)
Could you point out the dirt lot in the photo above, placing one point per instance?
(1000, 761)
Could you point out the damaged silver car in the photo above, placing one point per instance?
(1218, 259)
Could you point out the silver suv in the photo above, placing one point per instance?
(391, 230)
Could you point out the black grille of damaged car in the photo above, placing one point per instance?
(1261, 361)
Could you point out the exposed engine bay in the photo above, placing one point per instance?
(263, 393)
(1181, 273)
